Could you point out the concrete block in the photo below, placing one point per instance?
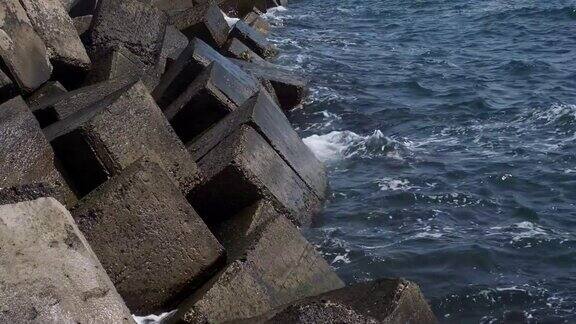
(48, 272)
(151, 242)
(271, 265)
(263, 115)
(205, 22)
(290, 88)
(56, 107)
(173, 6)
(48, 90)
(213, 94)
(26, 192)
(26, 155)
(191, 62)
(22, 51)
(380, 301)
(244, 168)
(101, 140)
(174, 44)
(236, 49)
(255, 20)
(67, 54)
(136, 25)
(254, 40)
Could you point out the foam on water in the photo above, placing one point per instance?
(152, 319)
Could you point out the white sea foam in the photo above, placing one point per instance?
(338, 145)
(388, 184)
(231, 21)
(152, 319)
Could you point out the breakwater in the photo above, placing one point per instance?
(148, 167)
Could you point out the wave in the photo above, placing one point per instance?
(339, 145)
(152, 319)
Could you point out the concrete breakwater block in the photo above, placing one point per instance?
(58, 105)
(253, 39)
(53, 24)
(22, 51)
(264, 116)
(48, 90)
(244, 168)
(290, 88)
(204, 21)
(191, 62)
(380, 301)
(48, 272)
(136, 25)
(173, 6)
(174, 44)
(213, 94)
(271, 264)
(236, 8)
(255, 20)
(236, 49)
(26, 155)
(99, 141)
(149, 239)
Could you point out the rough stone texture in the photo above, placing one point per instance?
(136, 25)
(22, 51)
(255, 20)
(16, 194)
(106, 137)
(272, 265)
(205, 22)
(383, 301)
(149, 239)
(236, 49)
(244, 168)
(191, 62)
(53, 108)
(48, 272)
(26, 155)
(253, 39)
(48, 90)
(67, 54)
(262, 114)
(290, 88)
(213, 94)
(173, 6)
(7, 87)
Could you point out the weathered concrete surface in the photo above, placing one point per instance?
(22, 51)
(174, 44)
(149, 239)
(244, 168)
(20, 193)
(173, 6)
(290, 88)
(236, 49)
(119, 63)
(136, 25)
(255, 20)
(48, 90)
(214, 93)
(191, 62)
(53, 108)
(272, 264)
(106, 137)
(53, 24)
(390, 301)
(7, 87)
(205, 22)
(254, 40)
(26, 155)
(48, 272)
(262, 114)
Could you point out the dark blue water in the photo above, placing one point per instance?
(449, 131)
